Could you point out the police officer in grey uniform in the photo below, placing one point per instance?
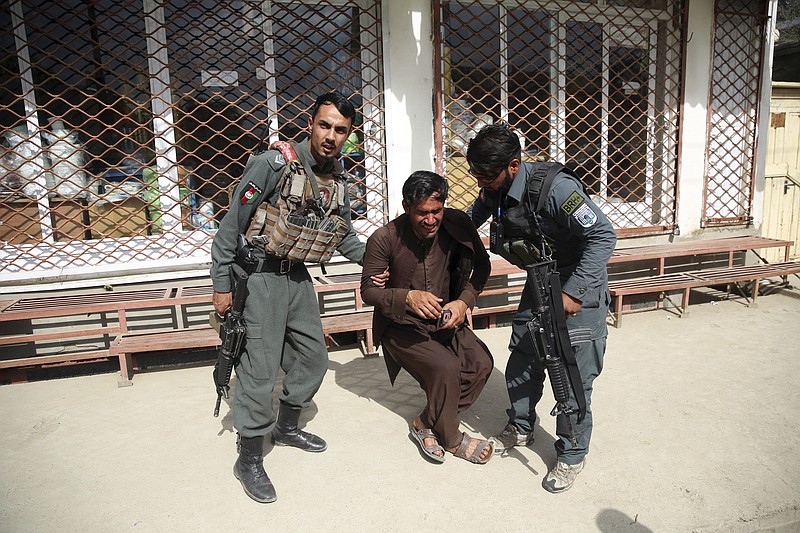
(284, 329)
(581, 239)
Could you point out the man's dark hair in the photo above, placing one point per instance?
(494, 147)
(343, 105)
(423, 184)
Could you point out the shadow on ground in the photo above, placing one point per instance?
(366, 377)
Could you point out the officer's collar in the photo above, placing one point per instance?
(517, 189)
(330, 167)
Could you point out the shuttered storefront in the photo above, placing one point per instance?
(124, 122)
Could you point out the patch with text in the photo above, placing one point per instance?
(571, 204)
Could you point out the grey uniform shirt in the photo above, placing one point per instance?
(581, 236)
(257, 184)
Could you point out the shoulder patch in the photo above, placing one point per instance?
(572, 203)
(251, 193)
(585, 216)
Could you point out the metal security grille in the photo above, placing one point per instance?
(595, 85)
(739, 34)
(124, 122)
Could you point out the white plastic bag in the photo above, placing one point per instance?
(19, 166)
(67, 177)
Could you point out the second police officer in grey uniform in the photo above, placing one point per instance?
(581, 239)
(284, 329)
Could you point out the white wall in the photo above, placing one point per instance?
(759, 193)
(691, 166)
(408, 62)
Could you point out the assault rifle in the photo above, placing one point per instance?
(553, 342)
(232, 334)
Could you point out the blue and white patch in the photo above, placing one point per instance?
(279, 159)
(585, 216)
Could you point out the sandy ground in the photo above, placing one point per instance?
(696, 429)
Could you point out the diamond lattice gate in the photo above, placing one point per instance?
(125, 121)
(596, 85)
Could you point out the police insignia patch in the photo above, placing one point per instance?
(279, 159)
(585, 216)
(251, 193)
(572, 202)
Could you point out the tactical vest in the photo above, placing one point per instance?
(303, 221)
(523, 243)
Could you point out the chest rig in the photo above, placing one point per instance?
(301, 221)
(517, 230)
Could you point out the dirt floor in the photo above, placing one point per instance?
(696, 429)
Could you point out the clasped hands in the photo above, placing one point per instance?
(428, 305)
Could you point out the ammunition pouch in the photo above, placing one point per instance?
(295, 228)
(303, 239)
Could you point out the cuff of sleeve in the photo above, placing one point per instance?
(220, 286)
(468, 299)
(399, 304)
(575, 288)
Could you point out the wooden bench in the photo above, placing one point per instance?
(126, 346)
(725, 245)
(660, 281)
(685, 281)
(326, 284)
(74, 306)
(118, 304)
(121, 303)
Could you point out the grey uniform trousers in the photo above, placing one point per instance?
(284, 332)
(525, 377)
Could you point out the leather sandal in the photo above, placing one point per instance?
(475, 457)
(420, 435)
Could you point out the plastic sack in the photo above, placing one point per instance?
(18, 164)
(66, 178)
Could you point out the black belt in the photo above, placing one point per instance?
(271, 264)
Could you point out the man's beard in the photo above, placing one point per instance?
(495, 196)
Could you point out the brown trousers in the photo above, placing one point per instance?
(452, 369)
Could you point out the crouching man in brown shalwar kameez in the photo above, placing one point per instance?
(437, 267)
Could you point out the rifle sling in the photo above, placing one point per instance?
(562, 337)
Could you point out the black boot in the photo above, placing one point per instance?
(286, 432)
(249, 470)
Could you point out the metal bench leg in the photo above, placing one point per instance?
(371, 350)
(618, 312)
(680, 308)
